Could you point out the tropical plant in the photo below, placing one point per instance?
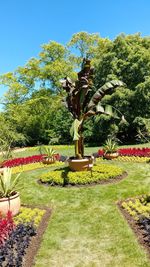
(7, 185)
(83, 102)
(110, 146)
(50, 153)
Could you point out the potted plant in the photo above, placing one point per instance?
(82, 101)
(110, 149)
(9, 198)
(50, 156)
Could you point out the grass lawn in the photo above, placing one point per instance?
(86, 228)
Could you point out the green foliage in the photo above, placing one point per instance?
(50, 152)
(74, 129)
(110, 146)
(138, 207)
(9, 137)
(7, 184)
(81, 217)
(64, 176)
(33, 107)
(128, 59)
(29, 215)
(84, 44)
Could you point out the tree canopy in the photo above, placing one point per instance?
(33, 103)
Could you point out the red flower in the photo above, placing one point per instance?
(6, 226)
(23, 161)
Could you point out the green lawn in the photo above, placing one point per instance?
(86, 228)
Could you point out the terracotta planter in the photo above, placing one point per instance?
(1, 170)
(111, 155)
(81, 164)
(10, 203)
(48, 160)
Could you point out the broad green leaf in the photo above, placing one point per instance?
(74, 129)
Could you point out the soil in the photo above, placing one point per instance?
(34, 245)
(100, 182)
(138, 231)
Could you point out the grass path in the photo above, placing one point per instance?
(86, 228)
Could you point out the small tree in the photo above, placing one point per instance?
(82, 101)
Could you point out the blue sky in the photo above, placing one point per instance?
(26, 24)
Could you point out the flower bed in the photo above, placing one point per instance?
(37, 165)
(132, 159)
(16, 235)
(130, 154)
(27, 160)
(137, 212)
(100, 174)
(137, 152)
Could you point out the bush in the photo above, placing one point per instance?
(65, 176)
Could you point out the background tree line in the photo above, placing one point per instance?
(34, 110)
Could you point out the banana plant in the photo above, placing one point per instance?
(83, 102)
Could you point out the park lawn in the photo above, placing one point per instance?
(86, 228)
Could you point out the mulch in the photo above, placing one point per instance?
(34, 245)
(100, 182)
(138, 231)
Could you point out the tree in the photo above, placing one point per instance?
(83, 103)
(127, 58)
(9, 137)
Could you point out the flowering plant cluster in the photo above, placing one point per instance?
(139, 210)
(27, 160)
(136, 152)
(6, 226)
(16, 234)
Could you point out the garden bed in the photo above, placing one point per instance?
(23, 235)
(139, 155)
(35, 166)
(127, 159)
(137, 213)
(100, 174)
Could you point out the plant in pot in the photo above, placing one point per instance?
(110, 149)
(9, 197)
(82, 101)
(50, 156)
